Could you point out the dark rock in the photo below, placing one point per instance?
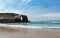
(12, 18)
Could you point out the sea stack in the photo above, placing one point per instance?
(13, 18)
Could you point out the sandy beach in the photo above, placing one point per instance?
(29, 33)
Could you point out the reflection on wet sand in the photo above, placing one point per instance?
(28, 33)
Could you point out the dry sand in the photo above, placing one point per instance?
(29, 33)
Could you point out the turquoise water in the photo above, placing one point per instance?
(50, 23)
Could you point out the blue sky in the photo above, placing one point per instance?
(35, 9)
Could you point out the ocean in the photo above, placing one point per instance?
(39, 24)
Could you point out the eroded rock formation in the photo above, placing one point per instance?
(11, 17)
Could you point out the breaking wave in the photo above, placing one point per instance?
(34, 24)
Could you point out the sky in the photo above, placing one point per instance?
(35, 9)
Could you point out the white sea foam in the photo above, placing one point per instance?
(24, 26)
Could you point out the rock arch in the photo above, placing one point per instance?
(12, 17)
(23, 18)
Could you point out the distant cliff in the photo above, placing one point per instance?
(11, 18)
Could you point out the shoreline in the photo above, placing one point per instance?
(21, 27)
(24, 26)
(29, 33)
(19, 32)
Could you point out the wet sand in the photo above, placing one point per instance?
(29, 33)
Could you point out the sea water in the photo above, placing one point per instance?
(44, 24)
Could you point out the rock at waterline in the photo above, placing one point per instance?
(12, 17)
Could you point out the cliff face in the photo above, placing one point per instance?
(11, 17)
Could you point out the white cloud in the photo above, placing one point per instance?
(12, 11)
(9, 3)
(52, 15)
(49, 16)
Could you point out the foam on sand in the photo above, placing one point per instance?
(24, 26)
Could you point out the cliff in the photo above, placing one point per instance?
(11, 18)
